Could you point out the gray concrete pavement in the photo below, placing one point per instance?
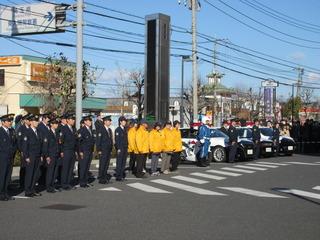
(278, 202)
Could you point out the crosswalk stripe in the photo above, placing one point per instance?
(252, 192)
(273, 163)
(300, 193)
(209, 176)
(189, 179)
(262, 165)
(252, 168)
(238, 170)
(224, 173)
(111, 189)
(20, 197)
(304, 163)
(187, 188)
(316, 188)
(147, 188)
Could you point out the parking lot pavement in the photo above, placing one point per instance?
(271, 198)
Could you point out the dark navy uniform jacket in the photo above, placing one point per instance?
(68, 138)
(86, 140)
(32, 144)
(20, 135)
(44, 131)
(7, 144)
(224, 130)
(276, 134)
(104, 141)
(256, 133)
(233, 134)
(121, 138)
(52, 146)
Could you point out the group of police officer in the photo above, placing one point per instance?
(49, 148)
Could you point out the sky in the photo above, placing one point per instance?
(210, 21)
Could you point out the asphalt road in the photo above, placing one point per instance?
(278, 202)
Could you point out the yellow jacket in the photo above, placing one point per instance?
(142, 140)
(132, 147)
(156, 140)
(177, 147)
(168, 140)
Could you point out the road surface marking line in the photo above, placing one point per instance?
(238, 170)
(111, 189)
(316, 188)
(300, 193)
(261, 165)
(20, 197)
(184, 167)
(224, 173)
(252, 192)
(209, 176)
(189, 179)
(272, 163)
(187, 188)
(252, 168)
(146, 188)
(303, 163)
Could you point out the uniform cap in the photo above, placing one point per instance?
(33, 117)
(54, 121)
(46, 115)
(225, 122)
(107, 118)
(8, 117)
(70, 116)
(86, 118)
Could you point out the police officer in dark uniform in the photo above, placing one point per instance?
(62, 122)
(68, 141)
(256, 136)
(121, 145)
(25, 124)
(52, 154)
(7, 152)
(99, 122)
(276, 138)
(31, 149)
(224, 127)
(86, 147)
(233, 140)
(104, 145)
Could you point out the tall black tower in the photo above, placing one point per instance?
(157, 67)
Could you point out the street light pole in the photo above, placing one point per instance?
(194, 7)
(79, 64)
(182, 90)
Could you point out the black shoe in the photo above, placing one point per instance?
(36, 194)
(103, 181)
(51, 190)
(84, 186)
(29, 195)
(3, 198)
(67, 188)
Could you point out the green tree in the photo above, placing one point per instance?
(287, 107)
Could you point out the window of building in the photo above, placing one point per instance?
(1, 77)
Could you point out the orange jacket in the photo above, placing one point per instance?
(156, 140)
(177, 147)
(142, 140)
(132, 147)
(168, 140)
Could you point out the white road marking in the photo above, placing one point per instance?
(252, 168)
(316, 188)
(209, 176)
(20, 197)
(252, 192)
(304, 163)
(147, 188)
(273, 163)
(224, 173)
(301, 193)
(184, 167)
(187, 188)
(111, 189)
(189, 179)
(238, 170)
(262, 165)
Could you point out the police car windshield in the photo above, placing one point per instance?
(217, 133)
(266, 131)
(245, 132)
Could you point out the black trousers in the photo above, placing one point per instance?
(6, 163)
(32, 169)
(22, 172)
(276, 148)
(175, 160)
(68, 162)
(132, 162)
(256, 150)
(232, 152)
(84, 166)
(121, 163)
(104, 162)
(51, 173)
(141, 161)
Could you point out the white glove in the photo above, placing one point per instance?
(202, 141)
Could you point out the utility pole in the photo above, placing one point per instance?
(79, 62)
(299, 81)
(194, 8)
(292, 104)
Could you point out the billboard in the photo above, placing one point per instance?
(268, 102)
(10, 61)
(28, 19)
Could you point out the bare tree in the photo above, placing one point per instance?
(307, 95)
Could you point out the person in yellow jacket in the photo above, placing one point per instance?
(156, 140)
(142, 143)
(167, 148)
(177, 147)
(132, 147)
